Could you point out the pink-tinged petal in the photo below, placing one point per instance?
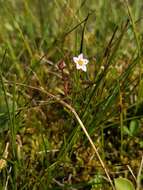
(78, 66)
(84, 68)
(86, 61)
(80, 56)
(75, 59)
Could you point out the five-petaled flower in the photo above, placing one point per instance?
(81, 62)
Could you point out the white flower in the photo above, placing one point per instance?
(81, 62)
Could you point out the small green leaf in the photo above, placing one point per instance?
(134, 127)
(141, 144)
(123, 184)
(126, 130)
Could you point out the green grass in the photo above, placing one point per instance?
(65, 128)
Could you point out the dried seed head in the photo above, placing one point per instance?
(61, 65)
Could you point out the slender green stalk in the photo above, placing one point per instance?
(14, 111)
(121, 121)
(12, 123)
(136, 36)
(139, 175)
(102, 142)
(8, 108)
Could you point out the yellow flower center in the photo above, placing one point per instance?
(80, 62)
